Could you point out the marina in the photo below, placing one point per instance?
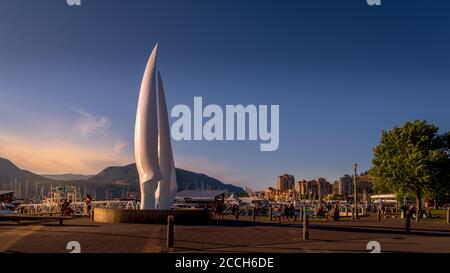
(233, 128)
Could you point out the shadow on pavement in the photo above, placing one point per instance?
(383, 230)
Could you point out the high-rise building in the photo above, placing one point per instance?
(285, 182)
(345, 185)
(319, 187)
(302, 186)
(335, 187)
(323, 187)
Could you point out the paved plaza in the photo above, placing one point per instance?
(227, 235)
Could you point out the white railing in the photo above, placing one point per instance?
(79, 208)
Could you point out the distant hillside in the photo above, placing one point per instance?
(128, 176)
(67, 177)
(117, 175)
(191, 180)
(10, 172)
(112, 181)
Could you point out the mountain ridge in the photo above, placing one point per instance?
(127, 175)
(10, 172)
(67, 176)
(111, 180)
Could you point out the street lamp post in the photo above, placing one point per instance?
(355, 167)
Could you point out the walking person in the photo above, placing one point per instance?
(63, 207)
(286, 212)
(88, 202)
(291, 212)
(221, 209)
(69, 211)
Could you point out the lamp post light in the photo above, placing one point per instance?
(355, 167)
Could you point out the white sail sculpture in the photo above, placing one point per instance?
(154, 161)
(167, 186)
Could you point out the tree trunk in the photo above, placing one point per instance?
(418, 206)
(435, 203)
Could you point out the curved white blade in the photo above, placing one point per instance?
(146, 135)
(165, 192)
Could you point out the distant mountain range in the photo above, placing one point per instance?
(67, 176)
(187, 180)
(9, 171)
(112, 181)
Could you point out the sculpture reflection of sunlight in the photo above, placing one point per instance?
(153, 151)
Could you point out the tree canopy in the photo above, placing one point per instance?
(413, 159)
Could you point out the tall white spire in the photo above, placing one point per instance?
(167, 186)
(153, 149)
(146, 135)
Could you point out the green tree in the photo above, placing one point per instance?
(412, 159)
(441, 187)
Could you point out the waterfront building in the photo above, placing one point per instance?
(285, 182)
(345, 185)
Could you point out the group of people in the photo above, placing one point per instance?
(288, 212)
(384, 209)
(411, 212)
(67, 210)
(218, 209)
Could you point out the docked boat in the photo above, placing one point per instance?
(6, 208)
(182, 206)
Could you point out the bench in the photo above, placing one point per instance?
(19, 217)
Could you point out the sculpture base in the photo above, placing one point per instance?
(181, 216)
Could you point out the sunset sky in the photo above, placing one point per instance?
(341, 72)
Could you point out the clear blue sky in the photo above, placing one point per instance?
(341, 72)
